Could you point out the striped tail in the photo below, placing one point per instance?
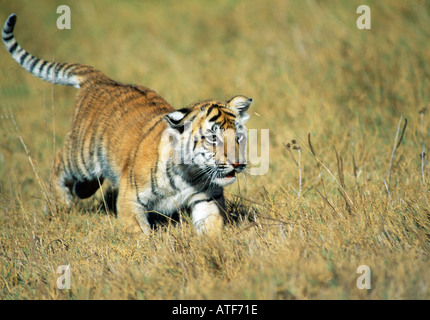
(69, 74)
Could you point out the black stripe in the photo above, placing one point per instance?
(154, 187)
(106, 166)
(217, 106)
(171, 178)
(154, 182)
(21, 60)
(57, 69)
(42, 66)
(99, 152)
(144, 205)
(74, 163)
(183, 155)
(7, 38)
(142, 91)
(92, 141)
(87, 166)
(81, 139)
(199, 201)
(230, 114)
(49, 70)
(64, 163)
(133, 181)
(13, 48)
(124, 102)
(179, 171)
(11, 21)
(68, 68)
(33, 64)
(214, 118)
(176, 122)
(71, 170)
(211, 108)
(72, 144)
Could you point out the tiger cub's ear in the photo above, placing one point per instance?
(240, 104)
(175, 118)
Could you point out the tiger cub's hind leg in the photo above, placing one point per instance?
(62, 184)
(67, 187)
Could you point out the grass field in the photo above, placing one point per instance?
(353, 190)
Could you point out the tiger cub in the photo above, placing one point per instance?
(160, 159)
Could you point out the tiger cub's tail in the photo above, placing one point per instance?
(69, 74)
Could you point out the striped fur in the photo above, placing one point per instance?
(160, 159)
(68, 74)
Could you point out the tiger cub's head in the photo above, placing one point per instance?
(209, 139)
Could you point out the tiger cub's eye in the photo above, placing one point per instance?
(212, 139)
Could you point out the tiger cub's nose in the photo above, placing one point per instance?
(238, 166)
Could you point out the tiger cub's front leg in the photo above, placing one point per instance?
(131, 213)
(208, 215)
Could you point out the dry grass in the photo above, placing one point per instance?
(358, 194)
